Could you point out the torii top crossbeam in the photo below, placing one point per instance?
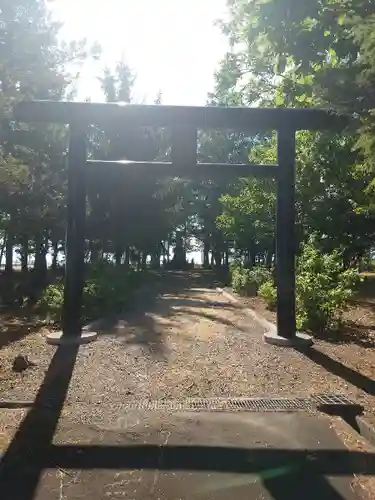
(240, 118)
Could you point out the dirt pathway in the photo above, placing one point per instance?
(188, 341)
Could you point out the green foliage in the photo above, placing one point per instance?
(248, 216)
(108, 289)
(35, 64)
(268, 292)
(259, 275)
(248, 281)
(323, 288)
(51, 301)
(329, 199)
(317, 53)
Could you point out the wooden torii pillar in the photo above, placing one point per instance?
(184, 122)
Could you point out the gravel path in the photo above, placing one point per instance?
(188, 341)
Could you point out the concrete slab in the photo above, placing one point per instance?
(206, 456)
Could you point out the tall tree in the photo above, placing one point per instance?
(303, 54)
(33, 65)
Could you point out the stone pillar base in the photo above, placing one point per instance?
(300, 339)
(57, 338)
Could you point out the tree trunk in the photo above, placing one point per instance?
(168, 251)
(155, 259)
(3, 248)
(143, 260)
(179, 256)
(94, 251)
(206, 257)
(102, 246)
(164, 251)
(24, 253)
(9, 253)
(268, 258)
(251, 253)
(270, 254)
(226, 257)
(40, 263)
(217, 257)
(55, 248)
(118, 256)
(127, 257)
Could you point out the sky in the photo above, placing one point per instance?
(172, 45)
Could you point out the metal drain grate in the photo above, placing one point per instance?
(224, 404)
(323, 402)
(242, 404)
(331, 400)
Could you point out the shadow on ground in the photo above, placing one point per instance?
(351, 333)
(154, 312)
(147, 325)
(16, 326)
(276, 472)
(337, 368)
(265, 462)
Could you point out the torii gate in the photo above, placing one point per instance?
(184, 122)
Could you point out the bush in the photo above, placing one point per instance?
(108, 289)
(260, 275)
(268, 292)
(241, 283)
(235, 264)
(51, 300)
(247, 281)
(323, 289)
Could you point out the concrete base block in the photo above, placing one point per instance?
(300, 340)
(57, 338)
